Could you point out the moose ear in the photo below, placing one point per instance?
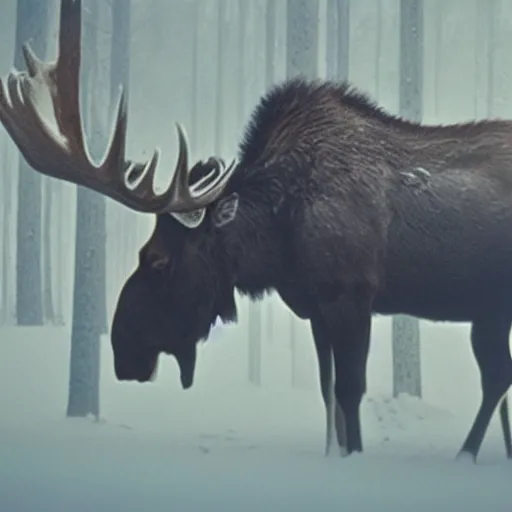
(225, 210)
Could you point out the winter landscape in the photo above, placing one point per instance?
(224, 445)
(249, 434)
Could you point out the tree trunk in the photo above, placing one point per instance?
(270, 43)
(119, 77)
(48, 201)
(378, 44)
(195, 98)
(6, 234)
(87, 311)
(302, 38)
(331, 56)
(254, 361)
(338, 32)
(270, 78)
(438, 49)
(343, 39)
(492, 21)
(243, 22)
(221, 66)
(31, 25)
(89, 287)
(301, 60)
(59, 256)
(120, 50)
(254, 334)
(405, 329)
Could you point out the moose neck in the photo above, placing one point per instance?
(252, 245)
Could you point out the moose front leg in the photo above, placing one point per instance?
(348, 324)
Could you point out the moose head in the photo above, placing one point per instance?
(177, 291)
(173, 297)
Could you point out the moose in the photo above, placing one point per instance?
(341, 208)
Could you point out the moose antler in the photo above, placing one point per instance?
(64, 155)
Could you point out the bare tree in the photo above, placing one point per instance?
(338, 32)
(31, 25)
(491, 18)
(270, 42)
(243, 22)
(195, 97)
(301, 60)
(5, 314)
(48, 299)
(255, 344)
(405, 329)
(302, 38)
(438, 48)
(60, 245)
(120, 77)
(89, 287)
(378, 46)
(222, 28)
(122, 31)
(254, 334)
(270, 74)
(331, 54)
(343, 45)
(52, 288)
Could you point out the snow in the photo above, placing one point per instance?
(224, 445)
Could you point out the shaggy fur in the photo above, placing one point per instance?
(345, 211)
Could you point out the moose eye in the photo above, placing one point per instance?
(154, 261)
(159, 263)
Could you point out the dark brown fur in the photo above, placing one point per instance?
(345, 211)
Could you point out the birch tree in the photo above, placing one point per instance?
(49, 199)
(219, 132)
(338, 34)
(405, 329)
(270, 78)
(120, 77)
(491, 21)
(195, 96)
(270, 42)
(7, 223)
(378, 53)
(301, 60)
(89, 285)
(246, 48)
(32, 18)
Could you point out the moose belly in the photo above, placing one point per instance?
(433, 298)
(449, 253)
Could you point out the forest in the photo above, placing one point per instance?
(66, 251)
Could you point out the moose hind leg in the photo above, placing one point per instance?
(490, 342)
(325, 370)
(505, 426)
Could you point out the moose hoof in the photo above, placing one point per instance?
(464, 457)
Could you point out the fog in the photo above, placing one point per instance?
(227, 442)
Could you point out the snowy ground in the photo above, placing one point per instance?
(227, 447)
